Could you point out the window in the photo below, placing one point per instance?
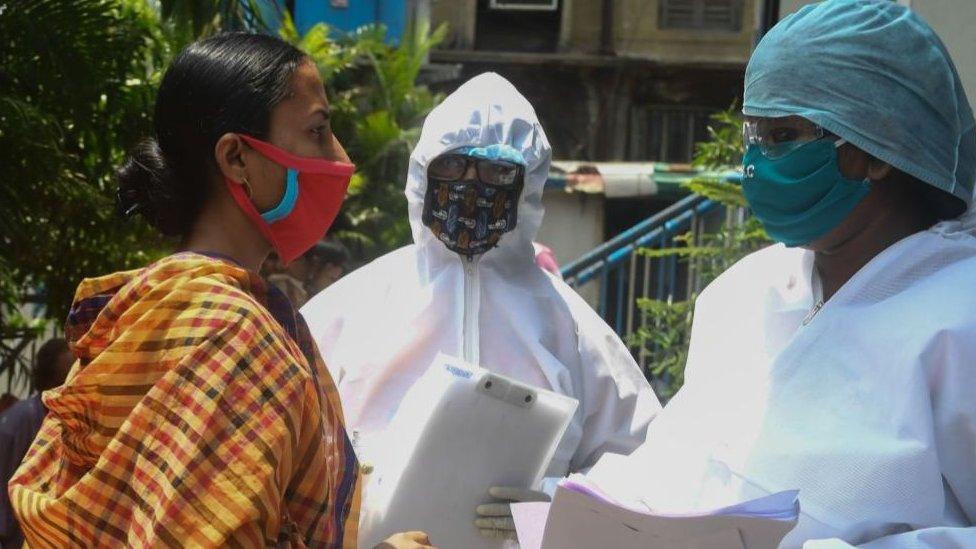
(545, 5)
(724, 15)
(666, 133)
(508, 29)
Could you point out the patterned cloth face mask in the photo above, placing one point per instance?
(472, 197)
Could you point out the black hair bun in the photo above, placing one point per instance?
(148, 186)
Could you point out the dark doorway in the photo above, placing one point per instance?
(500, 28)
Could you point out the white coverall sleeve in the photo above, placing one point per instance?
(325, 316)
(616, 402)
(927, 538)
(954, 413)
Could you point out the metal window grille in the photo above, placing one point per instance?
(528, 5)
(723, 15)
(666, 133)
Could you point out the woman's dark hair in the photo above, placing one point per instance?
(46, 374)
(329, 251)
(933, 204)
(227, 83)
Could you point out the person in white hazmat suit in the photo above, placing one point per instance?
(469, 287)
(841, 362)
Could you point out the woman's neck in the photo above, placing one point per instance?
(837, 265)
(223, 229)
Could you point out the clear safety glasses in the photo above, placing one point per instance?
(778, 137)
(452, 167)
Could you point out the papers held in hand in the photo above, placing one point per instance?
(582, 516)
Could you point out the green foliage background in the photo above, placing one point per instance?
(665, 327)
(77, 85)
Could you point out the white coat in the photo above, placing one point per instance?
(380, 327)
(866, 404)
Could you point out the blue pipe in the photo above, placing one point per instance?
(604, 285)
(610, 259)
(660, 270)
(631, 234)
(620, 300)
(673, 275)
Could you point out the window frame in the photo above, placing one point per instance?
(697, 20)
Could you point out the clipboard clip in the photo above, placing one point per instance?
(512, 392)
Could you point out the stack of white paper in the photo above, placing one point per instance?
(581, 516)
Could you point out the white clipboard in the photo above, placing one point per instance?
(458, 431)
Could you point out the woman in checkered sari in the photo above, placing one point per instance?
(199, 412)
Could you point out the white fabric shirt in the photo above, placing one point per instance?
(866, 404)
(380, 327)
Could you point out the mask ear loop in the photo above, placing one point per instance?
(837, 145)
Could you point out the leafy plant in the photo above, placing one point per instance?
(200, 18)
(378, 109)
(78, 80)
(664, 333)
(76, 87)
(665, 327)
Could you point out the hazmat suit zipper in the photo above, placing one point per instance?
(813, 312)
(470, 334)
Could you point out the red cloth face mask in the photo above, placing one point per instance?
(314, 190)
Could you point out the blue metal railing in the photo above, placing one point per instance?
(622, 277)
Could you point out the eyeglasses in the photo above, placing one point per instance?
(777, 137)
(452, 167)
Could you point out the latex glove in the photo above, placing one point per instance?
(495, 519)
(406, 540)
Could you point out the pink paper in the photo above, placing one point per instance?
(530, 523)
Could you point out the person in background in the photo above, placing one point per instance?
(327, 264)
(6, 401)
(469, 287)
(200, 412)
(842, 361)
(545, 258)
(20, 423)
(289, 279)
(309, 274)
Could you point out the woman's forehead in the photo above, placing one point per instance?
(307, 93)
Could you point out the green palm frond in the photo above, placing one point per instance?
(206, 17)
(76, 87)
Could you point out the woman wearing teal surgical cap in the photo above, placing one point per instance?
(841, 361)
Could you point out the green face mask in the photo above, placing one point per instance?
(801, 196)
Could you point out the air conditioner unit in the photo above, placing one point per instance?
(524, 5)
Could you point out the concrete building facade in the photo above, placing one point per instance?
(611, 80)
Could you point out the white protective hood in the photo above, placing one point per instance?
(380, 327)
(866, 404)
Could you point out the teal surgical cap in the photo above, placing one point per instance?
(494, 152)
(875, 74)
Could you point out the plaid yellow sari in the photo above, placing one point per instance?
(198, 414)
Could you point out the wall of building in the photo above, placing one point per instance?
(582, 20)
(391, 13)
(787, 7)
(955, 21)
(636, 31)
(572, 226)
(460, 18)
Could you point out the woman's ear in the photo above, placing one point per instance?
(856, 164)
(878, 170)
(229, 155)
